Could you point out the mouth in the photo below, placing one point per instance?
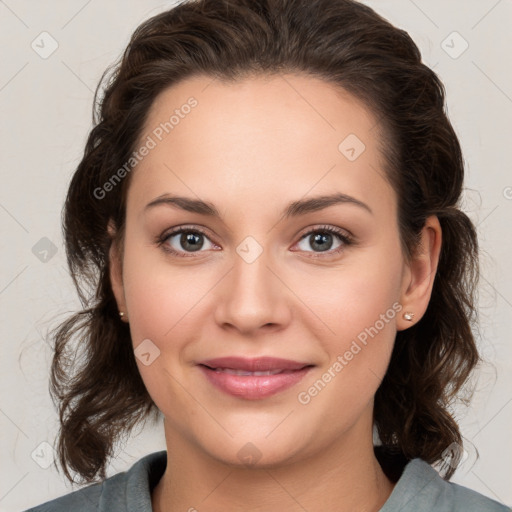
(254, 365)
(253, 379)
(231, 371)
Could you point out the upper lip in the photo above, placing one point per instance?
(254, 364)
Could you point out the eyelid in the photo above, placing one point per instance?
(326, 227)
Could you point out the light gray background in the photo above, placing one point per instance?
(46, 115)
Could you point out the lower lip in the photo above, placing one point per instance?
(253, 387)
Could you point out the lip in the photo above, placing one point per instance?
(255, 364)
(253, 387)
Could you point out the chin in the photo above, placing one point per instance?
(255, 452)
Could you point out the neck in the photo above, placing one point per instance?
(345, 477)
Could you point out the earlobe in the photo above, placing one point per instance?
(420, 274)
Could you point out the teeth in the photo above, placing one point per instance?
(244, 372)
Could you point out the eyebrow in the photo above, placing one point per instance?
(294, 209)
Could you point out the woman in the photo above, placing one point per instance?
(265, 231)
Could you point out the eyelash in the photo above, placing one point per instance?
(345, 238)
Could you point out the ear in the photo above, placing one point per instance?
(420, 272)
(116, 269)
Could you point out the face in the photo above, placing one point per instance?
(262, 270)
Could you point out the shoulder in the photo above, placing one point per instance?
(421, 489)
(123, 492)
(83, 500)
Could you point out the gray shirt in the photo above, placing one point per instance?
(419, 489)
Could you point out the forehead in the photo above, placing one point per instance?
(263, 137)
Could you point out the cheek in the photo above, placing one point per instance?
(160, 296)
(360, 296)
(367, 307)
(358, 357)
(364, 325)
(360, 305)
(164, 302)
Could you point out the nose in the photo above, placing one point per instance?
(252, 297)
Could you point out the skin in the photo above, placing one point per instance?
(251, 147)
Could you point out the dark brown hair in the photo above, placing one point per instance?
(94, 377)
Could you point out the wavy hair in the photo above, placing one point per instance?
(94, 377)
